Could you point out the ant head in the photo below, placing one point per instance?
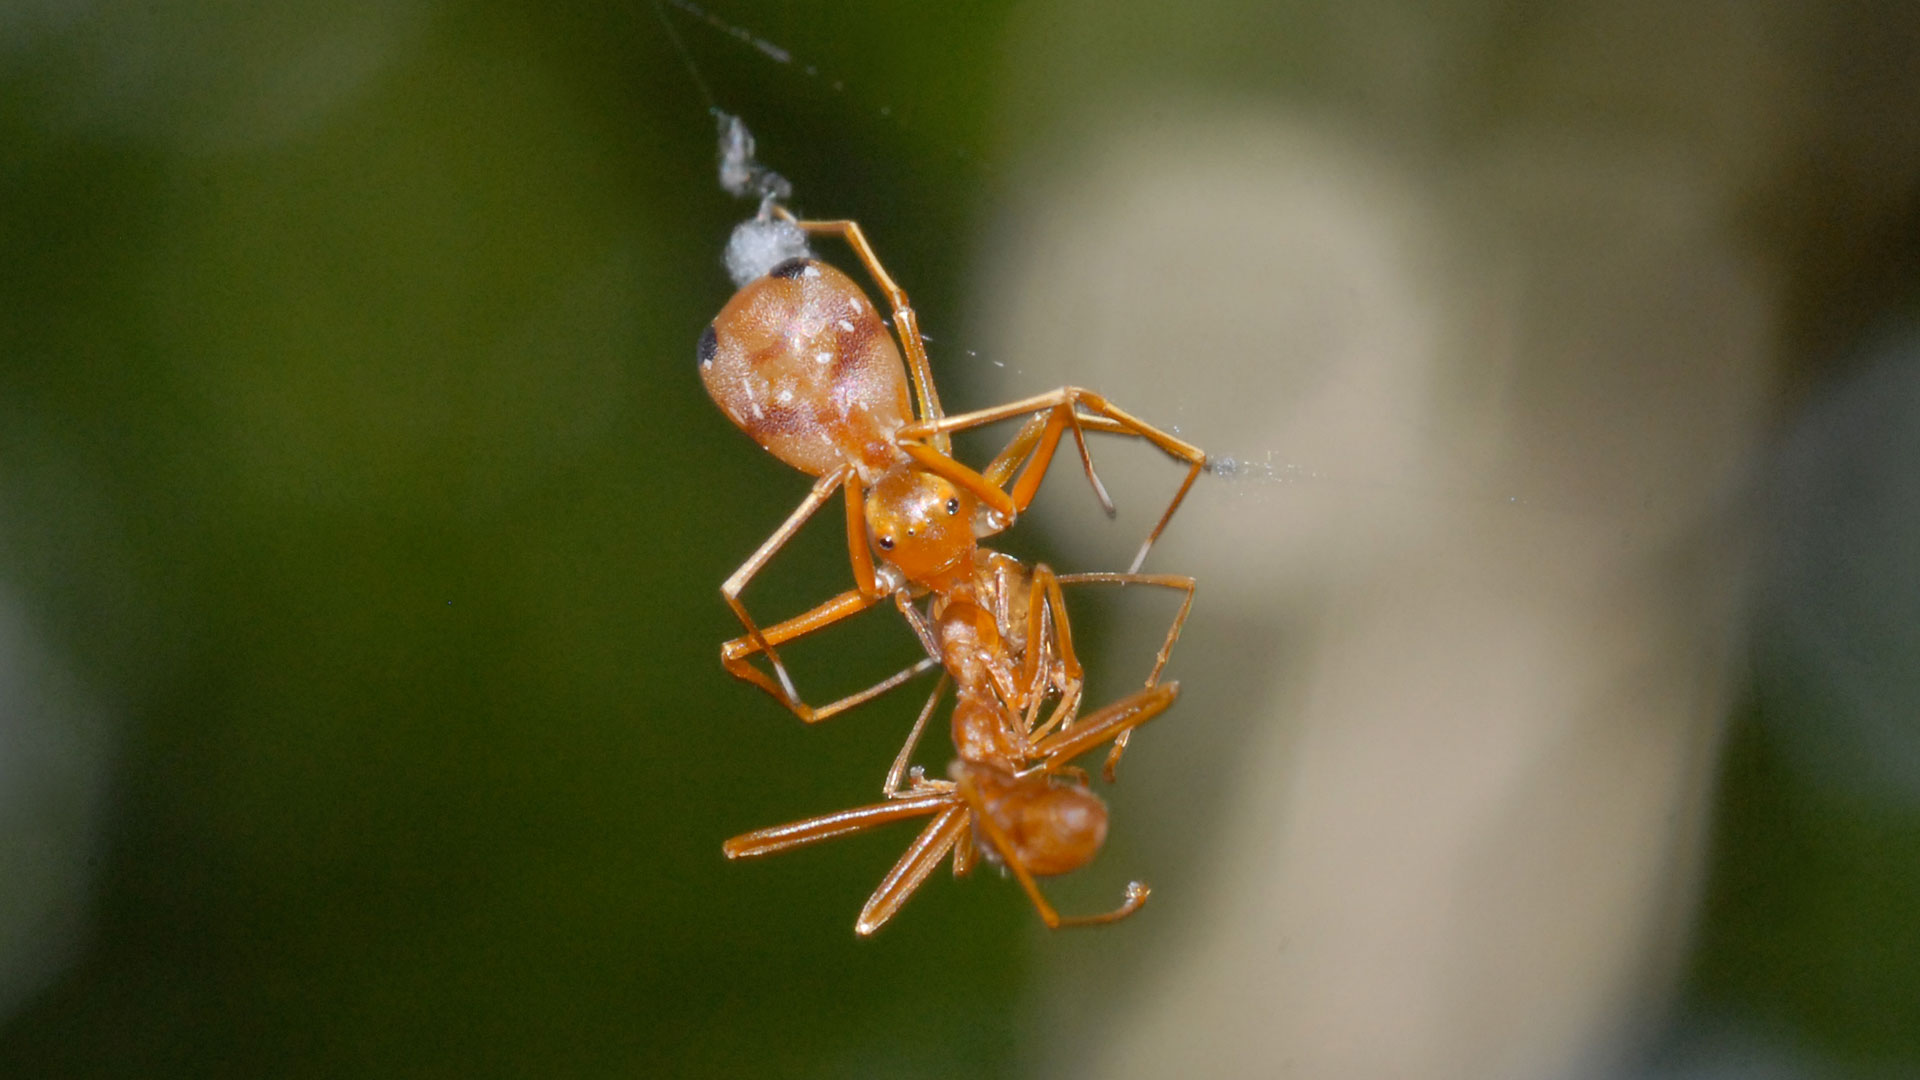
(922, 524)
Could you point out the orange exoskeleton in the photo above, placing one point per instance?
(803, 363)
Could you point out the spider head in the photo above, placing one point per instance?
(923, 525)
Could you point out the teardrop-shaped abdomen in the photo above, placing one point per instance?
(802, 362)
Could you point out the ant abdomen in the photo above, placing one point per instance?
(1052, 827)
(801, 361)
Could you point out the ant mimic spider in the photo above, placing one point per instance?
(802, 362)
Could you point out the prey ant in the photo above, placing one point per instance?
(1007, 648)
(802, 362)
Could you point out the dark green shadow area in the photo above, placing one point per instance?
(1808, 928)
(355, 457)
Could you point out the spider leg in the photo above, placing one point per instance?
(1170, 581)
(1060, 418)
(737, 656)
(942, 465)
(736, 582)
(904, 319)
(858, 553)
(1002, 467)
(1067, 402)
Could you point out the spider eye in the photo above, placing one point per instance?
(709, 345)
(886, 543)
(953, 505)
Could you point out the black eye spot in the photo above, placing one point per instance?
(792, 268)
(886, 543)
(709, 344)
(953, 506)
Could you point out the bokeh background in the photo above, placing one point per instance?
(1552, 699)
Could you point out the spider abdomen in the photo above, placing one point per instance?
(801, 362)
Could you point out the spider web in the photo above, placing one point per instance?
(758, 243)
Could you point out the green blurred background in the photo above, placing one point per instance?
(361, 520)
(358, 478)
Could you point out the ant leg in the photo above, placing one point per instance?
(1075, 773)
(965, 855)
(1136, 891)
(736, 583)
(1105, 723)
(914, 866)
(1170, 581)
(1046, 607)
(904, 319)
(1136, 895)
(1043, 602)
(1063, 713)
(1049, 637)
(921, 857)
(780, 838)
(899, 771)
(906, 674)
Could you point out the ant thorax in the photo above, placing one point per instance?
(973, 652)
(981, 729)
(1003, 585)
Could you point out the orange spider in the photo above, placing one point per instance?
(802, 362)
